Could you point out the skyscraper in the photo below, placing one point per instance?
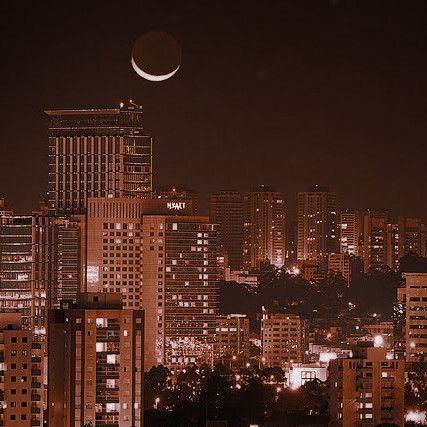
(350, 231)
(264, 228)
(375, 236)
(23, 283)
(226, 210)
(96, 363)
(179, 293)
(65, 246)
(318, 217)
(412, 236)
(97, 153)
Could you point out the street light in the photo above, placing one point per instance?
(156, 402)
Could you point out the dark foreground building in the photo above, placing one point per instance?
(96, 366)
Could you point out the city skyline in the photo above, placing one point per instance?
(232, 234)
(350, 101)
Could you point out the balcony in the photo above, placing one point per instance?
(36, 372)
(35, 398)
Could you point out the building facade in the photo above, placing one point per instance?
(21, 374)
(375, 237)
(350, 233)
(411, 317)
(264, 228)
(284, 339)
(179, 290)
(232, 338)
(366, 391)
(97, 153)
(318, 217)
(226, 210)
(23, 280)
(411, 236)
(96, 363)
(340, 264)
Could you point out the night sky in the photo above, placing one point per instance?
(281, 93)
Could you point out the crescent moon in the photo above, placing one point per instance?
(152, 77)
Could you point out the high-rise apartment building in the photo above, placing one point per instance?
(23, 282)
(65, 247)
(179, 293)
(366, 391)
(375, 236)
(264, 228)
(114, 248)
(226, 210)
(350, 232)
(318, 220)
(232, 338)
(113, 245)
(21, 374)
(284, 339)
(96, 363)
(411, 318)
(97, 153)
(411, 236)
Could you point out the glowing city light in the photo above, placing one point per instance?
(378, 341)
(417, 417)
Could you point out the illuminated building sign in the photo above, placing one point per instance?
(92, 273)
(176, 206)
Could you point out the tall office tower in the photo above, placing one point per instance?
(23, 283)
(232, 338)
(66, 249)
(318, 217)
(179, 198)
(366, 391)
(226, 210)
(21, 374)
(179, 291)
(284, 339)
(340, 264)
(97, 153)
(291, 243)
(350, 231)
(96, 363)
(114, 248)
(264, 228)
(375, 235)
(412, 236)
(412, 306)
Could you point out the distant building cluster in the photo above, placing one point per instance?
(112, 277)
